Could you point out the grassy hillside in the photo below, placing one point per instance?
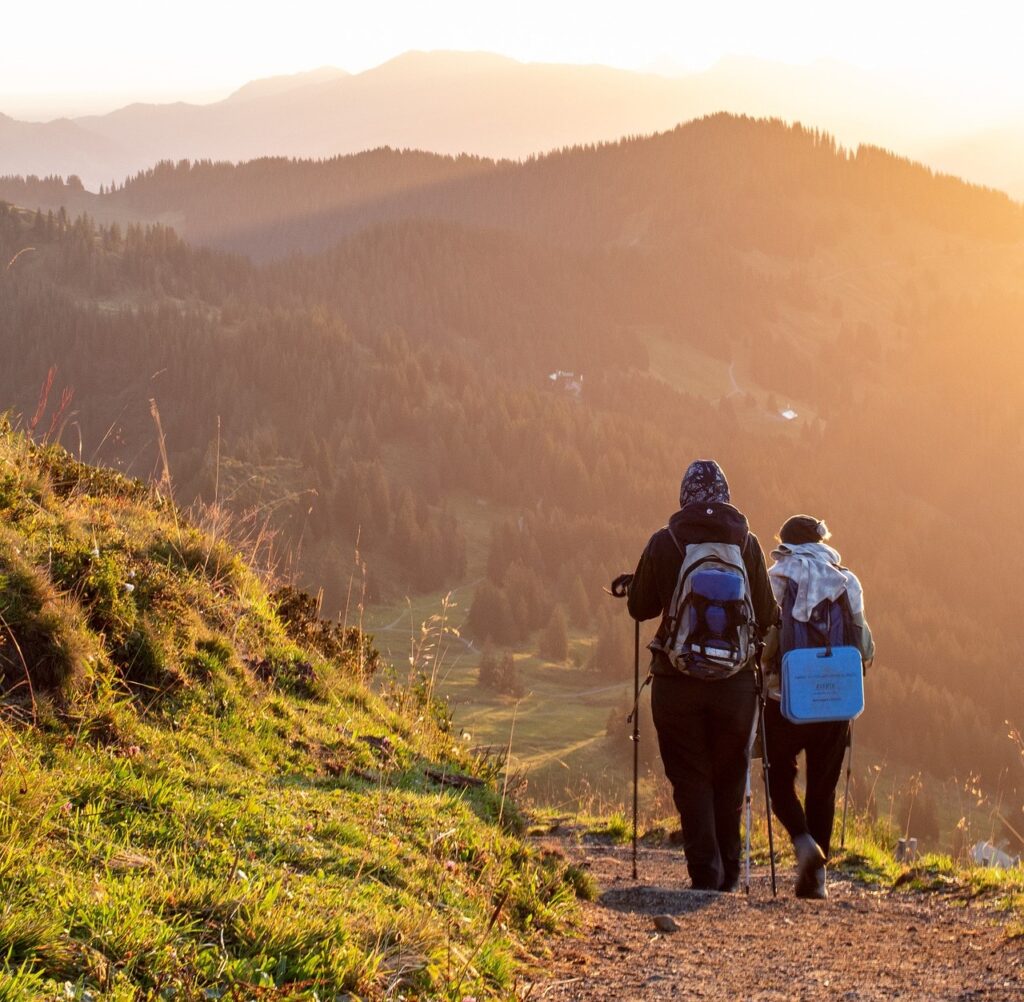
(201, 795)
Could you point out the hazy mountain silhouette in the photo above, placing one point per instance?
(480, 103)
(993, 156)
(272, 86)
(440, 101)
(59, 147)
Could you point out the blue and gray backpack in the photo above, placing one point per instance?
(710, 631)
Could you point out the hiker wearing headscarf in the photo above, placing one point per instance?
(807, 571)
(705, 727)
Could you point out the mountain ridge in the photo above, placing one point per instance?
(306, 205)
(508, 109)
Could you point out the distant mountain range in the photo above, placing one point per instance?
(489, 105)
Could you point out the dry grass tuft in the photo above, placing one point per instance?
(44, 643)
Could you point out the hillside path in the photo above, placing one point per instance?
(861, 945)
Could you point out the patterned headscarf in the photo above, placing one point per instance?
(704, 482)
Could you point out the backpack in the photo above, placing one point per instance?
(831, 624)
(822, 676)
(710, 631)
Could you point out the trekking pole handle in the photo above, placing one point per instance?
(759, 646)
(620, 586)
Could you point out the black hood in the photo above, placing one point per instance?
(709, 522)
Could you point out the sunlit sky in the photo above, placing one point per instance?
(74, 56)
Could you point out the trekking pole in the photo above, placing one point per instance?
(768, 799)
(749, 818)
(761, 703)
(846, 794)
(636, 732)
(620, 589)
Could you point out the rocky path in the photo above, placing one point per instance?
(862, 944)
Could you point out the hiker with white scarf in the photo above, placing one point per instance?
(806, 573)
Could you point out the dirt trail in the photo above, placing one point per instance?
(861, 944)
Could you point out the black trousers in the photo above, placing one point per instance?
(705, 730)
(824, 746)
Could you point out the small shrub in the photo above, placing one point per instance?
(288, 671)
(43, 639)
(582, 883)
(146, 657)
(299, 612)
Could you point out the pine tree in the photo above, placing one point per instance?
(579, 604)
(611, 655)
(487, 673)
(490, 617)
(554, 640)
(509, 682)
(500, 674)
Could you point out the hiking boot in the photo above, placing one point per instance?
(810, 868)
(820, 889)
(814, 888)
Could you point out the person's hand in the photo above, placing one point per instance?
(620, 586)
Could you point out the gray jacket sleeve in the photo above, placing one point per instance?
(867, 641)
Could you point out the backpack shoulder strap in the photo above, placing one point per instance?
(679, 546)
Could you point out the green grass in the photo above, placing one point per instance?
(554, 732)
(616, 827)
(557, 726)
(200, 803)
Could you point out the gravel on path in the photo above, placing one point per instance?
(861, 944)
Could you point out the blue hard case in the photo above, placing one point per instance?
(822, 684)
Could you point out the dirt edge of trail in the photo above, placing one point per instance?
(862, 944)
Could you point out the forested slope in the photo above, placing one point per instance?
(701, 280)
(726, 181)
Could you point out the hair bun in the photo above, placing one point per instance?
(800, 529)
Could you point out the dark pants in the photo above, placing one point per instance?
(704, 735)
(824, 746)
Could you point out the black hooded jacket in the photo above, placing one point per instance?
(654, 580)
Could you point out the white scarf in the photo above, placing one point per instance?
(816, 570)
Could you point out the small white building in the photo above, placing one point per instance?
(567, 382)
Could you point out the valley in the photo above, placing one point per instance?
(379, 378)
